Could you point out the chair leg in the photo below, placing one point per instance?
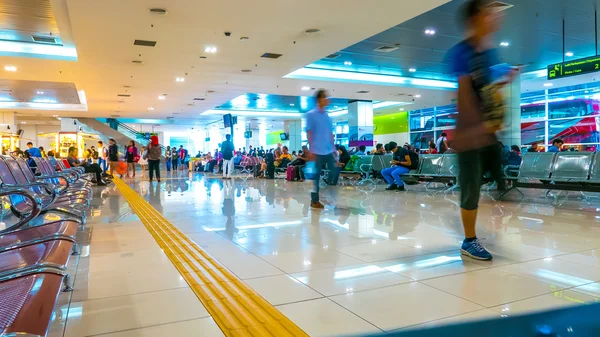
(75, 250)
(507, 191)
(67, 284)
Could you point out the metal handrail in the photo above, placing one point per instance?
(130, 132)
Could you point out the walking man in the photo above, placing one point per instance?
(480, 114)
(319, 130)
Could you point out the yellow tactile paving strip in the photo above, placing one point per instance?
(235, 307)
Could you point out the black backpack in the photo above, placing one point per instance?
(414, 160)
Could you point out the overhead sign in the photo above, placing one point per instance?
(575, 67)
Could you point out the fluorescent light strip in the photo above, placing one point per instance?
(9, 48)
(314, 73)
(386, 104)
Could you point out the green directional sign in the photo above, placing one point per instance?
(576, 67)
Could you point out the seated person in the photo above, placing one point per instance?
(294, 155)
(238, 159)
(52, 159)
(378, 150)
(344, 157)
(284, 158)
(557, 145)
(30, 162)
(361, 150)
(514, 156)
(89, 168)
(400, 165)
(432, 148)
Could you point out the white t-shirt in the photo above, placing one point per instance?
(438, 144)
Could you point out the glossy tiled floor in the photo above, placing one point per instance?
(370, 262)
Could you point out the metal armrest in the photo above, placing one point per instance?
(49, 188)
(55, 176)
(36, 204)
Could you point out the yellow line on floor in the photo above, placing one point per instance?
(235, 307)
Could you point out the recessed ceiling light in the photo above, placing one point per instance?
(151, 108)
(412, 70)
(305, 88)
(504, 44)
(292, 104)
(10, 68)
(23, 122)
(569, 54)
(54, 115)
(548, 84)
(348, 63)
(430, 32)
(40, 92)
(417, 96)
(162, 97)
(179, 79)
(210, 49)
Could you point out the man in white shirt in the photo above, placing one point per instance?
(442, 143)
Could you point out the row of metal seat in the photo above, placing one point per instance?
(570, 171)
(41, 219)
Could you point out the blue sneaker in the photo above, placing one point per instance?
(475, 250)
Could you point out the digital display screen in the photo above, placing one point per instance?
(575, 67)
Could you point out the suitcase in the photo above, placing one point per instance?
(290, 173)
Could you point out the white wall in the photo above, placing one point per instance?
(399, 138)
(30, 134)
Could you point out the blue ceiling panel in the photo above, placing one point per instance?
(533, 28)
(264, 102)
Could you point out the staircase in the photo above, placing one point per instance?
(120, 132)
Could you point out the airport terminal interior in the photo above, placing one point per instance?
(299, 168)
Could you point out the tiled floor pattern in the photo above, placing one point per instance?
(370, 262)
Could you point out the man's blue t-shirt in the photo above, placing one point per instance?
(553, 149)
(465, 60)
(35, 152)
(319, 123)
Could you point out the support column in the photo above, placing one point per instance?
(511, 135)
(69, 125)
(294, 130)
(253, 141)
(9, 122)
(360, 123)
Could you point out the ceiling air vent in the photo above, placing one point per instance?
(137, 61)
(498, 6)
(332, 56)
(385, 49)
(363, 92)
(43, 39)
(199, 99)
(144, 43)
(271, 55)
(124, 95)
(159, 11)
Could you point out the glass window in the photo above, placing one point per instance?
(421, 122)
(446, 120)
(420, 140)
(571, 108)
(575, 130)
(533, 132)
(346, 129)
(338, 129)
(537, 110)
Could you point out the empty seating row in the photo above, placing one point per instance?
(38, 238)
(570, 171)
